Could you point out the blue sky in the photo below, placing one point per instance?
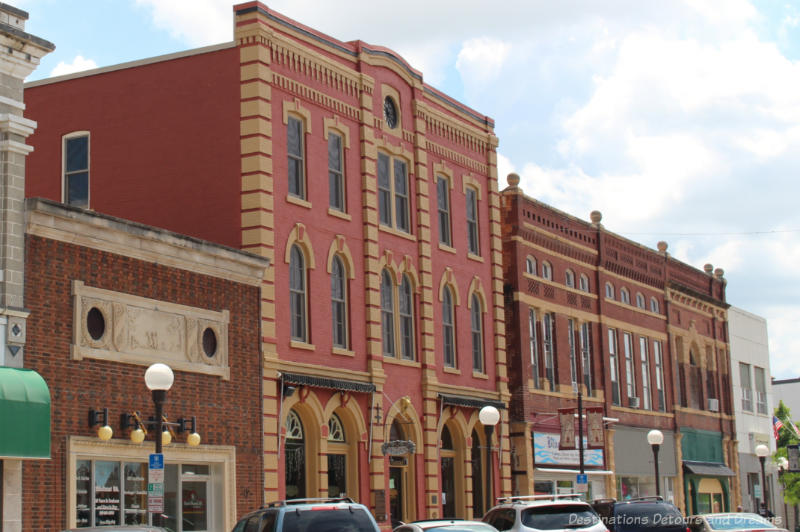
(679, 121)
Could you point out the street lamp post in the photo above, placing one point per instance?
(159, 379)
(762, 451)
(489, 416)
(655, 438)
(783, 465)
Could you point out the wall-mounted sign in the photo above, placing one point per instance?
(793, 455)
(546, 451)
(398, 448)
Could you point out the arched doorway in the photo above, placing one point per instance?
(342, 458)
(401, 478)
(478, 462)
(448, 460)
(295, 474)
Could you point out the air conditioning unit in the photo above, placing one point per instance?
(713, 405)
(633, 402)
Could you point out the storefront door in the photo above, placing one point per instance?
(396, 499)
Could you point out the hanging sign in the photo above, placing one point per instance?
(594, 426)
(566, 418)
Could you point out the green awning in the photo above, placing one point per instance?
(24, 414)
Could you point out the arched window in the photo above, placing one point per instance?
(624, 296)
(530, 265)
(609, 291)
(337, 458)
(339, 304)
(477, 335)
(695, 382)
(584, 282)
(448, 329)
(406, 313)
(654, 305)
(295, 457)
(640, 300)
(387, 314)
(547, 271)
(569, 278)
(297, 295)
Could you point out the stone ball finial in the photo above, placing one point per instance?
(596, 217)
(513, 180)
(708, 268)
(662, 246)
(719, 273)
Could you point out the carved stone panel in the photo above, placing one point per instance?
(121, 327)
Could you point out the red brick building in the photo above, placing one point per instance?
(107, 298)
(375, 198)
(641, 335)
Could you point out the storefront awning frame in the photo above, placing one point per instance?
(24, 415)
(708, 469)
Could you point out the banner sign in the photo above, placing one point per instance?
(566, 418)
(594, 426)
(547, 451)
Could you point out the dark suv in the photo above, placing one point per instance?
(643, 514)
(309, 515)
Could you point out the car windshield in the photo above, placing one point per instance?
(639, 516)
(340, 519)
(737, 521)
(559, 517)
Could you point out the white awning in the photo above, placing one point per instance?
(574, 471)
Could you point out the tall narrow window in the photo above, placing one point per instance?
(384, 190)
(627, 345)
(609, 291)
(640, 300)
(295, 456)
(472, 222)
(534, 347)
(448, 329)
(393, 193)
(443, 203)
(477, 335)
(294, 141)
(530, 265)
(658, 359)
(569, 278)
(613, 363)
(337, 458)
(339, 303)
(406, 312)
(654, 305)
(584, 282)
(625, 296)
(547, 271)
(401, 196)
(549, 355)
(645, 360)
(586, 356)
(387, 314)
(298, 295)
(761, 389)
(695, 382)
(573, 355)
(336, 172)
(746, 383)
(76, 170)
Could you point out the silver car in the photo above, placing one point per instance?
(119, 528)
(544, 513)
(732, 522)
(445, 525)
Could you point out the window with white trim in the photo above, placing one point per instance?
(658, 359)
(609, 291)
(547, 271)
(627, 345)
(295, 147)
(624, 296)
(746, 383)
(397, 317)
(645, 361)
(473, 236)
(759, 376)
(640, 300)
(443, 207)
(76, 169)
(569, 278)
(298, 295)
(339, 307)
(477, 334)
(613, 356)
(534, 347)
(448, 329)
(573, 362)
(393, 193)
(548, 345)
(530, 265)
(584, 282)
(336, 195)
(586, 356)
(654, 305)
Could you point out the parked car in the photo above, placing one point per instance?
(731, 522)
(643, 514)
(544, 512)
(309, 515)
(445, 525)
(119, 528)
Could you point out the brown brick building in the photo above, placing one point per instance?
(107, 298)
(641, 335)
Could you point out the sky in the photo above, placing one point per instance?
(679, 120)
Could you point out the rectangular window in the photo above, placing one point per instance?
(534, 348)
(393, 183)
(627, 343)
(746, 382)
(336, 172)
(613, 363)
(443, 203)
(384, 190)
(586, 356)
(76, 171)
(401, 196)
(549, 355)
(645, 360)
(297, 171)
(573, 362)
(658, 359)
(761, 390)
(472, 222)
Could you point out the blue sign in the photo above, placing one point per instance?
(156, 461)
(582, 479)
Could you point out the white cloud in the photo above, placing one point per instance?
(78, 64)
(480, 60)
(195, 22)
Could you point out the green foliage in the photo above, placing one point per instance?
(786, 436)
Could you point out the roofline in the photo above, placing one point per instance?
(785, 381)
(132, 64)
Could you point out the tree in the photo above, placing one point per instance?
(786, 436)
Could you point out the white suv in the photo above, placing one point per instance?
(535, 513)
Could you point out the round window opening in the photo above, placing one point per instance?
(209, 342)
(95, 323)
(390, 112)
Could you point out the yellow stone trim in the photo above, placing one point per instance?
(454, 371)
(294, 107)
(549, 233)
(336, 125)
(441, 169)
(548, 306)
(449, 279)
(472, 256)
(402, 362)
(339, 247)
(395, 232)
(631, 328)
(394, 94)
(294, 344)
(299, 236)
(478, 375)
(297, 201)
(447, 249)
(476, 287)
(467, 181)
(339, 214)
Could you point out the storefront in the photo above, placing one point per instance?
(706, 477)
(634, 467)
(556, 470)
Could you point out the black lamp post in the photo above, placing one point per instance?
(489, 416)
(655, 438)
(159, 379)
(762, 451)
